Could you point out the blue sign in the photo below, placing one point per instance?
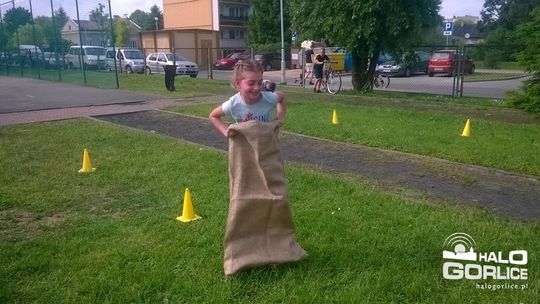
(448, 28)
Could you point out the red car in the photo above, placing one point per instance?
(445, 61)
(227, 63)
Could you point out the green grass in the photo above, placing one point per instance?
(508, 65)
(111, 236)
(99, 79)
(509, 146)
(492, 76)
(185, 86)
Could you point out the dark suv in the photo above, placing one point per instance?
(445, 62)
(271, 61)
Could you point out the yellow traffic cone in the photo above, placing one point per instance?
(335, 119)
(467, 129)
(188, 214)
(86, 164)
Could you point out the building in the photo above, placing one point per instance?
(465, 29)
(228, 17)
(93, 34)
(90, 33)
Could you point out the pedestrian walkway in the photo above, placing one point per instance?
(434, 179)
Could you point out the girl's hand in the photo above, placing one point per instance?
(230, 133)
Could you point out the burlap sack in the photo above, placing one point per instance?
(260, 229)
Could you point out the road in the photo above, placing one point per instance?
(440, 85)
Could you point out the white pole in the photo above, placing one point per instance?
(282, 44)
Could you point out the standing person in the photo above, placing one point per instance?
(260, 230)
(318, 69)
(309, 64)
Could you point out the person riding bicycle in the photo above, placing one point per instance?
(321, 60)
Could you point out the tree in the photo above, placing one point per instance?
(99, 16)
(505, 13)
(143, 19)
(500, 18)
(156, 12)
(529, 58)
(264, 25)
(26, 35)
(366, 28)
(15, 17)
(121, 31)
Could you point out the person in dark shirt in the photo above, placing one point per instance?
(318, 69)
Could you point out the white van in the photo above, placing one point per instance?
(91, 56)
(127, 60)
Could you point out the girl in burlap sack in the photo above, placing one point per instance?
(260, 229)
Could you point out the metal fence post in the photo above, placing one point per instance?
(35, 42)
(82, 67)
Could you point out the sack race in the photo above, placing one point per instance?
(260, 229)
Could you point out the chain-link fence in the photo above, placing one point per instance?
(58, 40)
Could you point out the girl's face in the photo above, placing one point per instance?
(250, 86)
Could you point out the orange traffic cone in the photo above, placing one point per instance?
(467, 129)
(188, 214)
(86, 164)
(335, 119)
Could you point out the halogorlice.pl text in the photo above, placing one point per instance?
(457, 270)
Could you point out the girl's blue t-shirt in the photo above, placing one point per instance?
(261, 111)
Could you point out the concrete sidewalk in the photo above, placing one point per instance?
(27, 94)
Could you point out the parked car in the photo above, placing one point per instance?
(445, 62)
(271, 61)
(29, 55)
(406, 66)
(92, 57)
(53, 60)
(156, 62)
(227, 63)
(127, 60)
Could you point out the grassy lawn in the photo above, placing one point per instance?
(509, 146)
(185, 86)
(111, 236)
(492, 76)
(99, 79)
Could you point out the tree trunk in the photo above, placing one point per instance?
(360, 79)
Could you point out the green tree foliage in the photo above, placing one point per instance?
(15, 17)
(121, 31)
(26, 35)
(500, 18)
(146, 20)
(366, 28)
(143, 19)
(156, 12)
(264, 25)
(529, 58)
(101, 17)
(505, 13)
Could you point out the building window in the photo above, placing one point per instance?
(237, 12)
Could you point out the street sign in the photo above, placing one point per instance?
(448, 28)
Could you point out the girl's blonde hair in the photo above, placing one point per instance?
(244, 66)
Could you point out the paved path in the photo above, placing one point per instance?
(506, 193)
(27, 94)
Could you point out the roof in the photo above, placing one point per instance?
(460, 29)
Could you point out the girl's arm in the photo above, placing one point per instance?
(216, 119)
(281, 108)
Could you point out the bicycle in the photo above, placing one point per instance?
(380, 80)
(331, 82)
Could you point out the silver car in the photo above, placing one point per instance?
(156, 62)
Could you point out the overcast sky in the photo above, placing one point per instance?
(449, 8)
